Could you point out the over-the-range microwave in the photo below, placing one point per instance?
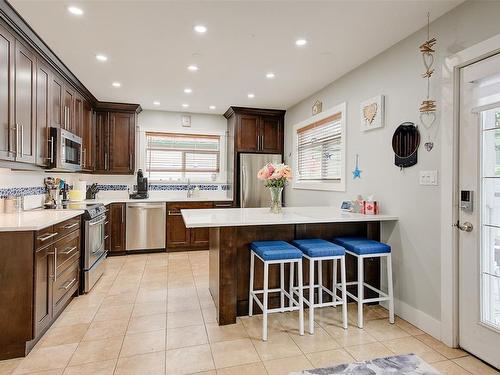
(65, 150)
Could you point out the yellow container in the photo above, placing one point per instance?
(76, 195)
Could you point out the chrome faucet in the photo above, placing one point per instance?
(190, 189)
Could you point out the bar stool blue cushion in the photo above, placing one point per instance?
(316, 248)
(275, 250)
(362, 246)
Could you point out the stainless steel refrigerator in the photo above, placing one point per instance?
(253, 193)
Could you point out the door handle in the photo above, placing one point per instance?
(22, 140)
(70, 226)
(465, 227)
(51, 141)
(69, 251)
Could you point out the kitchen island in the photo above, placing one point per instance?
(233, 229)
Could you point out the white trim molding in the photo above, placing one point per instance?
(449, 181)
(322, 185)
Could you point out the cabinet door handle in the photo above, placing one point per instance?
(68, 284)
(22, 140)
(51, 158)
(69, 251)
(70, 226)
(45, 238)
(130, 161)
(106, 161)
(174, 213)
(17, 139)
(123, 219)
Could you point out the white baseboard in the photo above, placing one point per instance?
(418, 318)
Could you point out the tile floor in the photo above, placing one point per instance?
(153, 314)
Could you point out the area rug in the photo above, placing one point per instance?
(408, 364)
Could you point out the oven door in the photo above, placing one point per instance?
(94, 240)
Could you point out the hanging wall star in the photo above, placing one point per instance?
(356, 173)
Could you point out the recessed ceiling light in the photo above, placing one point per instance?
(200, 29)
(156, 102)
(301, 42)
(101, 57)
(193, 68)
(270, 75)
(116, 84)
(251, 96)
(185, 105)
(188, 90)
(75, 10)
(211, 107)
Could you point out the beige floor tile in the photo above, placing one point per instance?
(330, 358)
(184, 318)
(106, 329)
(147, 323)
(410, 328)
(98, 350)
(84, 302)
(284, 366)
(146, 295)
(58, 371)
(449, 368)
(369, 313)
(119, 299)
(475, 366)
(320, 341)
(189, 360)
(278, 346)
(209, 314)
(250, 369)
(179, 293)
(182, 304)
(143, 364)
(440, 347)
(253, 325)
(95, 368)
(407, 345)
(64, 335)
(368, 351)
(186, 336)
(350, 336)
(113, 313)
(49, 358)
(150, 308)
(234, 353)
(9, 365)
(382, 330)
(142, 343)
(69, 318)
(228, 332)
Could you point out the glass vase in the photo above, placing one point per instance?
(276, 199)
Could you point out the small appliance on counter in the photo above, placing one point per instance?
(142, 187)
(52, 192)
(92, 190)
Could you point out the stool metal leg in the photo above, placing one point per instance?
(344, 291)
(250, 295)
(320, 281)
(390, 288)
(282, 286)
(265, 296)
(292, 269)
(360, 292)
(334, 285)
(311, 296)
(301, 298)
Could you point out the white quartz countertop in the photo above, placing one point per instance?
(173, 199)
(233, 217)
(35, 220)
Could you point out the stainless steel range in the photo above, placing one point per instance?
(93, 251)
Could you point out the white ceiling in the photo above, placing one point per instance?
(150, 44)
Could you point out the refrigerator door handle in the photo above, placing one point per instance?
(243, 182)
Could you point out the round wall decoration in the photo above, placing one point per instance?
(405, 142)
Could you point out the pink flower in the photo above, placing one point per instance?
(263, 174)
(277, 175)
(270, 168)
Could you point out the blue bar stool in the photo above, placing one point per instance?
(276, 252)
(317, 250)
(362, 248)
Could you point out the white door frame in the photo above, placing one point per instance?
(449, 180)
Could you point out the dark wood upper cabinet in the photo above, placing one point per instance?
(25, 97)
(248, 133)
(101, 142)
(121, 142)
(117, 227)
(56, 102)
(69, 109)
(78, 116)
(271, 134)
(88, 137)
(43, 79)
(7, 49)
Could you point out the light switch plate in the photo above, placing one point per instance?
(428, 178)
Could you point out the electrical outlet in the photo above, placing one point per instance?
(428, 178)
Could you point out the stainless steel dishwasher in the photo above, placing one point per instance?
(146, 226)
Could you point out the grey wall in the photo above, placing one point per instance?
(396, 74)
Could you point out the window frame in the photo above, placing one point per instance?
(184, 170)
(322, 184)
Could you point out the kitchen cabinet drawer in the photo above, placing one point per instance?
(178, 236)
(67, 250)
(65, 285)
(66, 227)
(44, 237)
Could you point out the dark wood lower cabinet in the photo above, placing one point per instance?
(178, 236)
(39, 275)
(117, 216)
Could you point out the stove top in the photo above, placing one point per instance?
(92, 210)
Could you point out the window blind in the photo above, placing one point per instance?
(176, 156)
(320, 150)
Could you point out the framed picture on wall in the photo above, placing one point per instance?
(372, 113)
